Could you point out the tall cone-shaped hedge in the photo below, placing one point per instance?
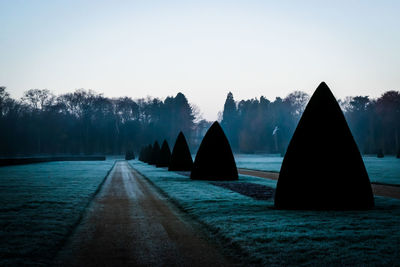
(155, 154)
(147, 153)
(323, 168)
(214, 160)
(141, 154)
(165, 155)
(181, 159)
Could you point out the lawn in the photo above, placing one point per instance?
(40, 205)
(264, 235)
(380, 170)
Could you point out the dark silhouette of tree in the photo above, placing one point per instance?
(260, 125)
(357, 114)
(129, 155)
(155, 154)
(38, 99)
(177, 116)
(141, 153)
(323, 168)
(84, 122)
(165, 155)
(146, 155)
(181, 159)
(388, 108)
(230, 120)
(214, 159)
(4, 97)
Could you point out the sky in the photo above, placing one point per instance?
(203, 49)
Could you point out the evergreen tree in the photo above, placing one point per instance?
(155, 154)
(129, 155)
(147, 153)
(165, 155)
(181, 159)
(230, 120)
(323, 168)
(214, 159)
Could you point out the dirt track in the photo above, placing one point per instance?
(129, 223)
(378, 189)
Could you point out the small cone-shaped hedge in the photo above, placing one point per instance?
(141, 154)
(147, 153)
(155, 154)
(323, 168)
(129, 155)
(165, 155)
(181, 159)
(380, 154)
(214, 160)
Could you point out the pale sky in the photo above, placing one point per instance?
(203, 49)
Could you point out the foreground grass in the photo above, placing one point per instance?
(267, 236)
(40, 204)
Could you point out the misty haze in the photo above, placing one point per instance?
(199, 134)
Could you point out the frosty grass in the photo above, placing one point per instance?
(278, 237)
(380, 170)
(40, 204)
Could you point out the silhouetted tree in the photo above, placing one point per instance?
(141, 154)
(181, 159)
(230, 120)
(388, 108)
(323, 168)
(129, 155)
(84, 122)
(155, 154)
(214, 159)
(165, 155)
(357, 114)
(260, 125)
(148, 150)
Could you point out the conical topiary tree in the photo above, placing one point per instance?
(323, 168)
(165, 155)
(380, 154)
(155, 154)
(147, 153)
(129, 155)
(181, 159)
(214, 159)
(141, 154)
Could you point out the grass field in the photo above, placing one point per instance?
(40, 204)
(381, 170)
(267, 236)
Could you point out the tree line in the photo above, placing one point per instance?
(259, 125)
(84, 122)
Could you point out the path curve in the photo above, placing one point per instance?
(130, 223)
(377, 189)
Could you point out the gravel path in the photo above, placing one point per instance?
(378, 189)
(130, 223)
